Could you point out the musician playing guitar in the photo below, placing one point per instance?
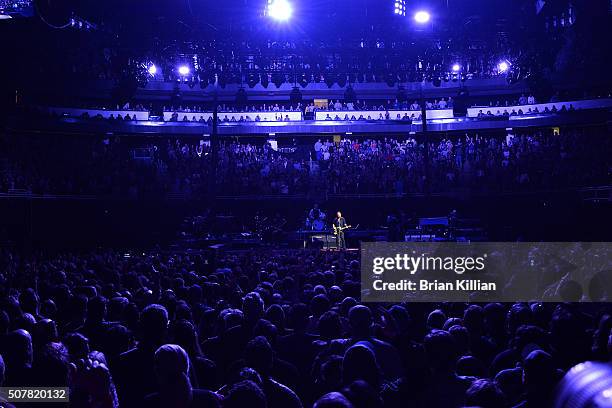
(340, 225)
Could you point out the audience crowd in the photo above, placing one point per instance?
(528, 160)
(272, 329)
(338, 110)
(332, 105)
(270, 62)
(341, 60)
(523, 161)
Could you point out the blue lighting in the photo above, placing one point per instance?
(503, 66)
(421, 17)
(280, 10)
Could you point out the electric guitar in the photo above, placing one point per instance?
(338, 229)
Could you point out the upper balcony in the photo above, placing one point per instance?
(293, 122)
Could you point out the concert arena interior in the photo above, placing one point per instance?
(189, 192)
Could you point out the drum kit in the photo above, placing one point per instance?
(315, 220)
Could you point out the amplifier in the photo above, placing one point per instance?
(327, 241)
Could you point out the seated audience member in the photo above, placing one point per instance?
(134, 371)
(245, 394)
(387, 356)
(540, 378)
(172, 367)
(445, 388)
(333, 400)
(259, 355)
(485, 394)
(18, 352)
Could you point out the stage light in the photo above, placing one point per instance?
(400, 7)
(152, 70)
(456, 68)
(183, 70)
(280, 10)
(503, 66)
(421, 17)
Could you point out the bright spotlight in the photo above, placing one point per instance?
(400, 7)
(503, 66)
(183, 70)
(152, 70)
(456, 68)
(421, 17)
(280, 10)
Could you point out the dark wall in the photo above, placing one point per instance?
(88, 223)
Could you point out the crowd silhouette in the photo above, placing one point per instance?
(524, 160)
(276, 329)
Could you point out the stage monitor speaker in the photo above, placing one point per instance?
(328, 241)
